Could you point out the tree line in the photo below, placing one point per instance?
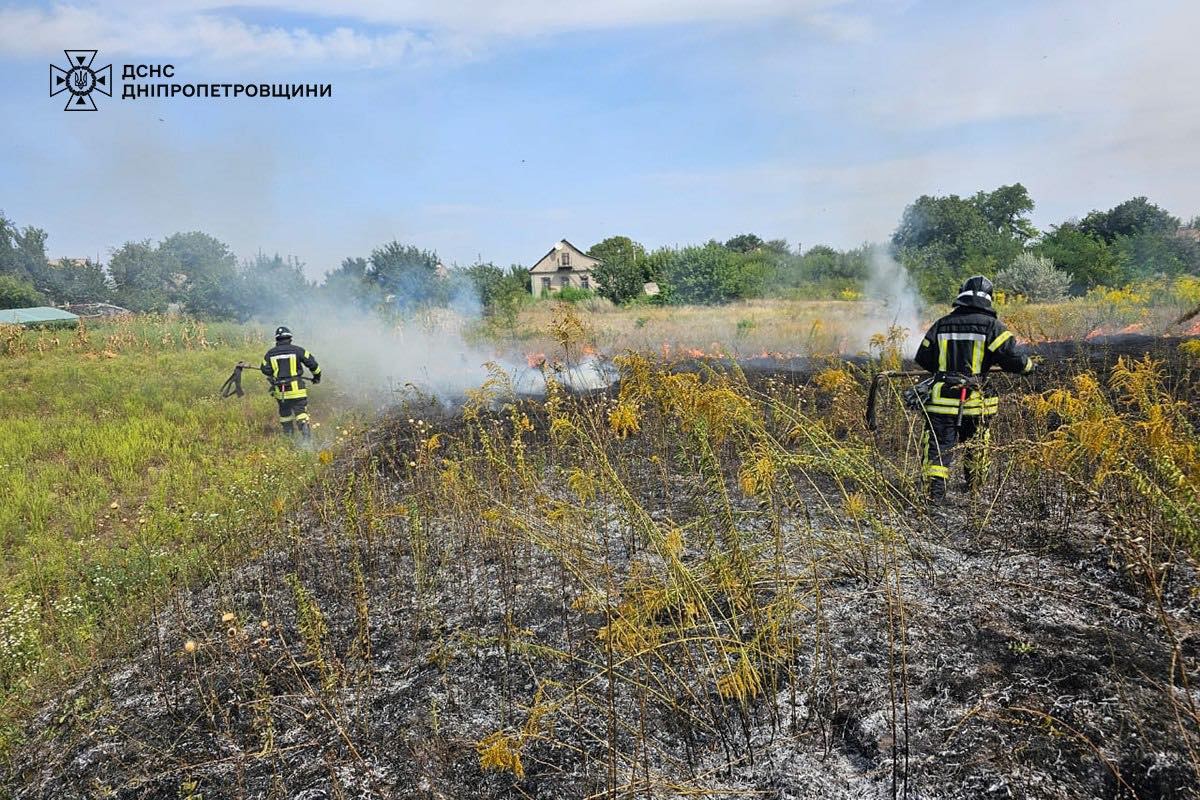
(939, 240)
(942, 239)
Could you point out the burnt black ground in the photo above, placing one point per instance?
(1034, 664)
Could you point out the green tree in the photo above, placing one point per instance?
(942, 240)
(407, 275)
(821, 271)
(1156, 253)
(270, 286)
(744, 243)
(519, 277)
(143, 278)
(822, 263)
(22, 252)
(1086, 258)
(1131, 218)
(68, 282)
(623, 268)
(349, 284)
(949, 222)
(495, 286)
(709, 273)
(17, 293)
(1007, 209)
(208, 282)
(486, 279)
(753, 269)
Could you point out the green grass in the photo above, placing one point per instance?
(124, 475)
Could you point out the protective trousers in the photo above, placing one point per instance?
(293, 414)
(943, 435)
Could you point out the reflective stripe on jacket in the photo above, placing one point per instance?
(281, 365)
(967, 342)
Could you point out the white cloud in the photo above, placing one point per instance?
(1109, 86)
(1105, 59)
(208, 36)
(845, 204)
(522, 16)
(1087, 104)
(378, 32)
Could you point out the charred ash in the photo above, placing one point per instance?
(998, 650)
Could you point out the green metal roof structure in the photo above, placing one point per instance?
(41, 315)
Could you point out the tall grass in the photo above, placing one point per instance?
(697, 523)
(817, 327)
(643, 589)
(123, 476)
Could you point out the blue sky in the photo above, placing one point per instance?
(492, 129)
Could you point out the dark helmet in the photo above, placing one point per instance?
(976, 292)
(283, 332)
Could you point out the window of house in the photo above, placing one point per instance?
(545, 284)
(564, 259)
(584, 283)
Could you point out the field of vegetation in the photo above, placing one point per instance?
(124, 478)
(702, 582)
(785, 328)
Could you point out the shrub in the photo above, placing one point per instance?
(710, 274)
(16, 293)
(573, 294)
(1035, 277)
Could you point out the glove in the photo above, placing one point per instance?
(316, 379)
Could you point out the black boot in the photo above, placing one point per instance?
(937, 490)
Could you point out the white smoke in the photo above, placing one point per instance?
(591, 373)
(892, 301)
(376, 363)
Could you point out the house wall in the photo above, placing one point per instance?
(548, 268)
(560, 279)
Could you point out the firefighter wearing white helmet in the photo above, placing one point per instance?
(283, 365)
(959, 350)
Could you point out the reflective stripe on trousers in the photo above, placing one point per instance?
(941, 439)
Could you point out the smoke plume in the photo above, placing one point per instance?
(377, 360)
(893, 300)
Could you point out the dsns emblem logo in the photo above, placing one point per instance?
(80, 80)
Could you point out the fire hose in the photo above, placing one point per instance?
(233, 384)
(873, 393)
(968, 383)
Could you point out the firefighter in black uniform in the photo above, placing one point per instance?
(959, 350)
(282, 366)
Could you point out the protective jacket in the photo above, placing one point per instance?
(960, 347)
(282, 365)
